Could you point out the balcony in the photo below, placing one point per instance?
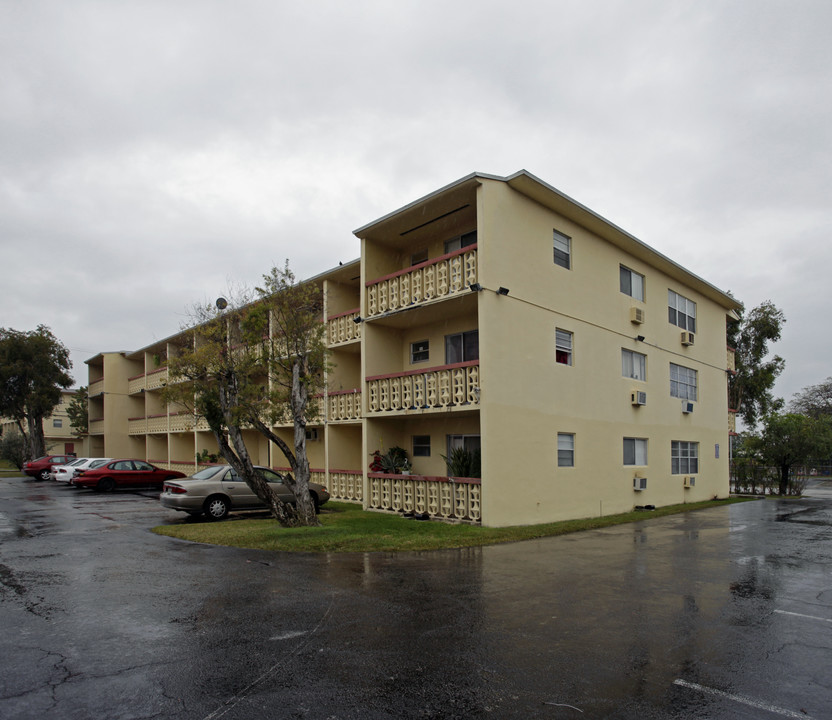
(137, 425)
(431, 280)
(157, 378)
(96, 387)
(343, 328)
(346, 485)
(344, 405)
(135, 384)
(452, 498)
(97, 426)
(440, 388)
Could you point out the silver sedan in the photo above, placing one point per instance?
(217, 490)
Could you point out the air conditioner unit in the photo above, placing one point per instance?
(689, 481)
(637, 397)
(639, 483)
(688, 338)
(312, 434)
(637, 315)
(687, 407)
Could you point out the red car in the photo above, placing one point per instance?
(40, 468)
(125, 473)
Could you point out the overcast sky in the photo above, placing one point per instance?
(154, 153)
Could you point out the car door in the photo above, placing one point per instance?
(146, 474)
(123, 473)
(241, 494)
(276, 484)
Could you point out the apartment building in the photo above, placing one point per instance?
(58, 435)
(495, 314)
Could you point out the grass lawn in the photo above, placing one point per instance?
(345, 527)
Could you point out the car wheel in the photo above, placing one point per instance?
(43, 475)
(106, 485)
(216, 507)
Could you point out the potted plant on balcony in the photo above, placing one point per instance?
(393, 462)
(463, 463)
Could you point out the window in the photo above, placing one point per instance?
(563, 346)
(462, 347)
(57, 422)
(419, 351)
(632, 283)
(681, 311)
(419, 257)
(566, 450)
(563, 250)
(421, 446)
(469, 238)
(684, 457)
(635, 451)
(682, 382)
(633, 365)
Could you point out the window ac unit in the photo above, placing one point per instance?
(637, 315)
(637, 397)
(690, 481)
(639, 483)
(687, 338)
(312, 434)
(687, 407)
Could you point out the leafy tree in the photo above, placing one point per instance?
(750, 387)
(78, 412)
(254, 365)
(814, 401)
(791, 439)
(33, 370)
(13, 448)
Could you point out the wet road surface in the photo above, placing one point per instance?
(723, 613)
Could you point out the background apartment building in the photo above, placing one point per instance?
(498, 314)
(59, 438)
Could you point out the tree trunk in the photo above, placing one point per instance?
(784, 479)
(37, 443)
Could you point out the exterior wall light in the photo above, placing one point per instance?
(475, 287)
(502, 290)
(640, 338)
(358, 319)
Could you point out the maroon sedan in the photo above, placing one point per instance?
(125, 473)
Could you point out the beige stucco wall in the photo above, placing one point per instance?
(527, 398)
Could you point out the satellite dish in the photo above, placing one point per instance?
(222, 303)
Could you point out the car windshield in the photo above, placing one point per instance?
(206, 473)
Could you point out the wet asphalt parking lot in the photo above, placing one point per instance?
(723, 613)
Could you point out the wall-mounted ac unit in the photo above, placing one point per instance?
(637, 315)
(312, 434)
(639, 483)
(689, 481)
(637, 397)
(688, 338)
(687, 407)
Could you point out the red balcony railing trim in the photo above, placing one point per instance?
(135, 377)
(425, 371)
(153, 372)
(432, 261)
(345, 472)
(344, 314)
(343, 392)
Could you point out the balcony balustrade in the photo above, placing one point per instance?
(157, 423)
(136, 384)
(97, 426)
(451, 498)
(344, 405)
(433, 388)
(346, 485)
(342, 328)
(137, 425)
(96, 387)
(157, 378)
(431, 280)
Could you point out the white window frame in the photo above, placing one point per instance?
(635, 451)
(684, 457)
(564, 343)
(418, 351)
(566, 449)
(684, 382)
(681, 312)
(562, 249)
(633, 365)
(468, 334)
(57, 422)
(631, 283)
